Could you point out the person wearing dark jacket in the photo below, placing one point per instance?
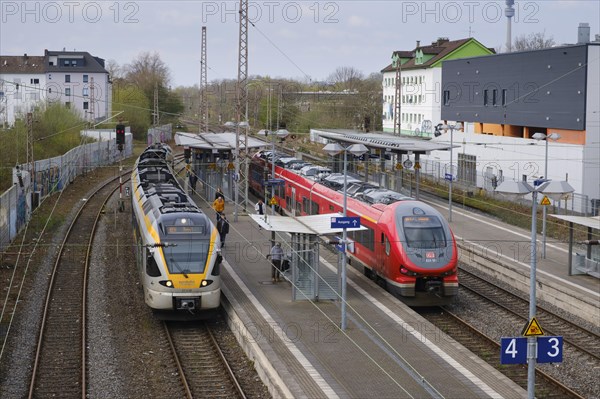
(223, 229)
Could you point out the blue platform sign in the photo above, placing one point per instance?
(550, 349)
(274, 182)
(448, 176)
(513, 350)
(340, 222)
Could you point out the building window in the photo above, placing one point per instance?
(85, 92)
(35, 81)
(68, 104)
(485, 98)
(67, 78)
(495, 97)
(85, 78)
(66, 62)
(446, 97)
(85, 105)
(68, 91)
(504, 94)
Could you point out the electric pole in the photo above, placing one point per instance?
(203, 85)
(155, 119)
(241, 180)
(398, 96)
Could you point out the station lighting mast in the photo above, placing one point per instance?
(241, 179)
(203, 85)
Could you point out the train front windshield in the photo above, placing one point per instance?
(424, 232)
(186, 256)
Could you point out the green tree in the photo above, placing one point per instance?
(129, 99)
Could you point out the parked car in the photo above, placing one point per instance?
(314, 170)
(359, 187)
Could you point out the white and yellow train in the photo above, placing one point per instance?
(176, 244)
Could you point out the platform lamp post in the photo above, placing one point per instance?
(357, 150)
(456, 126)
(515, 189)
(553, 137)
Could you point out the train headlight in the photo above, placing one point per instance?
(450, 272)
(407, 272)
(205, 283)
(166, 283)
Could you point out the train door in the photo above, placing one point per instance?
(294, 201)
(383, 255)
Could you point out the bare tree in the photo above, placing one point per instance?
(147, 71)
(115, 71)
(533, 41)
(346, 78)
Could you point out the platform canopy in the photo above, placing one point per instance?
(382, 141)
(313, 224)
(587, 221)
(224, 141)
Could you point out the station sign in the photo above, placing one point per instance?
(274, 182)
(513, 350)
(345, 222)
(448, 176)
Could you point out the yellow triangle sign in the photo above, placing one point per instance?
(545, 201)
(533, 329)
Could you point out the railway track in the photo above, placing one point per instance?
(580, 343)
(59, 367)
(203, 369)
(489, 350)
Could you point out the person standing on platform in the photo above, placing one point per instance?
(276, 259)
(223, 229)
(260, 207)
(219, 207)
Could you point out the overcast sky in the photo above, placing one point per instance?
(294, 39)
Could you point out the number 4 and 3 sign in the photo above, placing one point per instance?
(514, 350)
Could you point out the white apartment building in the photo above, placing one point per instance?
(22, 84)
(73, 78)
(421, 83)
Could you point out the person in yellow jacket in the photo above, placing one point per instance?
(219, 207)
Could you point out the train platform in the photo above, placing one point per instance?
(486, 243)
(387, 350)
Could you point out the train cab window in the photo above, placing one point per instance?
(151, 266)
(424, 232)
(306, 205)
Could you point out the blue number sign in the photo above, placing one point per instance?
(513, 350)
(550, 349)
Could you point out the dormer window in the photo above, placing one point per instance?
(419, 57)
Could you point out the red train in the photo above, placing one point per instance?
(408, 247)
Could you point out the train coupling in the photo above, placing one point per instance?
(433, 286)
(185, 303)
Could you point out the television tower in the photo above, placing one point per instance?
(509, 12)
